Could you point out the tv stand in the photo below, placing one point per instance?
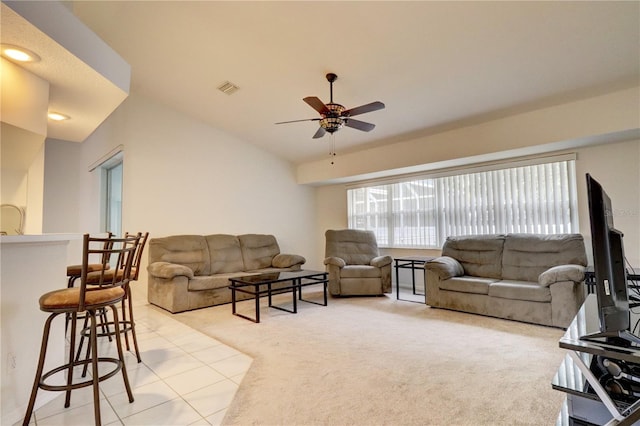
(579, 375)
(617, 338)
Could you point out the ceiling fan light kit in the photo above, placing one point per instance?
(334, 116)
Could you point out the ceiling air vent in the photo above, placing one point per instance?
(228, 88)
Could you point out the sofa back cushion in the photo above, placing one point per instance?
(526, 256)
(355, 247)
(187, 250)
(225, 253)
(479, 255)
(258, 250)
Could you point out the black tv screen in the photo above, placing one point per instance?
(609, 268)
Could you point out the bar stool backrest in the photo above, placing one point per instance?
(135, 266)
(104, 257)
(121, 249)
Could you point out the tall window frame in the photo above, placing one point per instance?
(534, 195)
(112, 195)
(110, 169)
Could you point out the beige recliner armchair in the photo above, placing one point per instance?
(354, 264)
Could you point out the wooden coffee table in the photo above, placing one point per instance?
(271, 283)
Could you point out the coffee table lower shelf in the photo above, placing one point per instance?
(269, 284)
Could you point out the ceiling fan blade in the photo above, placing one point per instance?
(360, 125)
(373, 106)
(297, 121)
(316, 104)
(320, 133)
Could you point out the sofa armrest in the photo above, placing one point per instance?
(561, 273)
(446, 267)
(336, 261)
(380, 261)
(169, 270)
(287, 260)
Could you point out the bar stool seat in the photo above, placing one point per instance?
(68, 299)
(74, 271)
(107, 293)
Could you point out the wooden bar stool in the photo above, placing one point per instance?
(127, 324)
(108, 292)
(75, 271)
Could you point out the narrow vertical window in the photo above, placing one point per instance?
(113, 199)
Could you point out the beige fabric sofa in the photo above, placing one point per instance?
(524, 277)
(192, 271)
(354, 264)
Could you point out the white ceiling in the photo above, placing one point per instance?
(434, 64)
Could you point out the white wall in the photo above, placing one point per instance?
(180, 176)
(35, 195)
(14, 187)
(614, 165)
(23, 128)
(62, 184)
(25, 98)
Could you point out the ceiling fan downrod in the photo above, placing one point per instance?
(332, 120)
(331, 77)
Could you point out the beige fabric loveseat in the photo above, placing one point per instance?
(192, 271)
(524, 277)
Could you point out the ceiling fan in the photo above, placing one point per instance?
(333, 116)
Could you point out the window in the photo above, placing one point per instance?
(110, 167)
(422, 212)
(113, 199)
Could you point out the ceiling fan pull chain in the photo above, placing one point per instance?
(333, 147)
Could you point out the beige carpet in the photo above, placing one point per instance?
(379, 361)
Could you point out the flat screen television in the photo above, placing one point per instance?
(609, 269)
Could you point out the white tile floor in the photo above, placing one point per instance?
(185, 378)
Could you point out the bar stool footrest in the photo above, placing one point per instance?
(125, 327)
(78, 385)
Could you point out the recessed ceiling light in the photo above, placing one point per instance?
(19, 54)
(56, 116)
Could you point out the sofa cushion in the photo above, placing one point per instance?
(479, 255)
(168, 270)
(287, 260)
(526, 256)
(520, 290)
(445, 266)
(335, 261)
(354, 246)
(270, 270)
(467, 284)
(225, 253)
(381, 261)
(258, 250)
(360, 271)
(212, 282)
(188, 250)
(561, 273)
